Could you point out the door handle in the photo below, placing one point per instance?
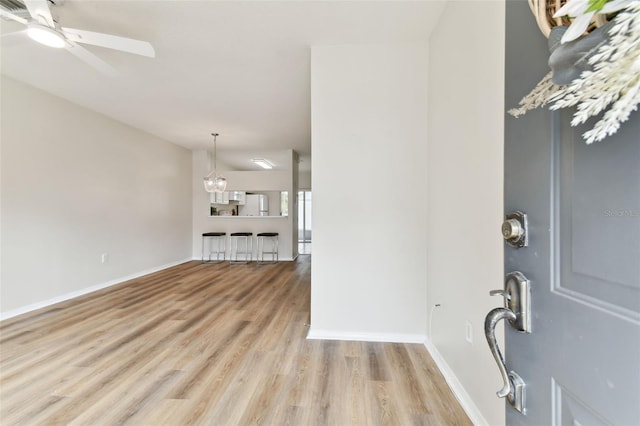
(503, 293)
(490, 322)
(517, 312)
(517, 299)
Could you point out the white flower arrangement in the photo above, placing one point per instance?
(583, 12)
(612, 87)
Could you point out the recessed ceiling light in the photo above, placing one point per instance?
(263, 163)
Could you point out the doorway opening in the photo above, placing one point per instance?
(304, 222)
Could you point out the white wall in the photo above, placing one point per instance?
(369, 135)
(466, 111)
(75, 185)
(305, 181)
(281, 180)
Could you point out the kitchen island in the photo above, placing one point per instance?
(278, 185)
(255, 212)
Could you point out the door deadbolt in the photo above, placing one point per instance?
(514, 229)
(511, 229)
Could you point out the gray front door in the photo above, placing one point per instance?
(581, 361)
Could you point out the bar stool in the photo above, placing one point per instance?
(273, 237)
(248, 247)
(221, 245)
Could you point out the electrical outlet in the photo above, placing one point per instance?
(468, 332)
(105, 257)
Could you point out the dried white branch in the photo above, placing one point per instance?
(613, 87)
(538, 97)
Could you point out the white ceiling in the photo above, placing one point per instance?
(235, 67)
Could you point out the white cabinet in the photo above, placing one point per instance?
(227, 196)
(239, 196)
(220, 197)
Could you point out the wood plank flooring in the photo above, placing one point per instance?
(209, 344)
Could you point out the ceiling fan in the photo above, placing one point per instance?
(43, 29)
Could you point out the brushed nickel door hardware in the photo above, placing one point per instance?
(517, 311)
(517, 298)
(514, 229)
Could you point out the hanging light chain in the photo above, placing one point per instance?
(215, 152)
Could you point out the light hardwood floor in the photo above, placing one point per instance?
(209, 344)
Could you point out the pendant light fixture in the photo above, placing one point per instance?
(214, 182)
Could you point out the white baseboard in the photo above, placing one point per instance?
(456, 387)
(64, 297)
(365, 337)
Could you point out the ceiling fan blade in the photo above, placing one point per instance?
(39, 10)
(14, 38)
(10, 15)
(91, 59)
(124, 44)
